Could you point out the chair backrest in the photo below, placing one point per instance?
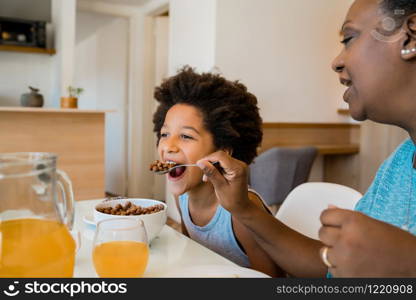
(277, 171)
(303, 206)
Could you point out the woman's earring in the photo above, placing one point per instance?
(404, 51)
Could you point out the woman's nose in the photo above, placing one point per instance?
(338, 64)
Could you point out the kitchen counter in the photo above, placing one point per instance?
(52, 110)
(76, 136)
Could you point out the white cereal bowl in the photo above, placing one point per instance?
(153, 222)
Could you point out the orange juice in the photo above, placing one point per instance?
(35, 248)
(120, 259)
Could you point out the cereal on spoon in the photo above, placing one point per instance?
(158, 166)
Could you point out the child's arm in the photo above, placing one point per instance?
(259, 259)
(184, 231)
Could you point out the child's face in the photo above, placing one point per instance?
(184, 140)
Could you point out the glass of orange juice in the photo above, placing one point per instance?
(120, 248)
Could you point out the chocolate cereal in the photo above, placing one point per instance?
(130, 209)
(158, 166)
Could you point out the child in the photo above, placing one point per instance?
(199, 114)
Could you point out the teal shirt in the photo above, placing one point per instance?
(391, 197)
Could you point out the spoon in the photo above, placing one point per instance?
(216, 164)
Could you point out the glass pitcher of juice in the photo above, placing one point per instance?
(34, 222)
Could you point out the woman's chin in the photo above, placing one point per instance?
(358, 115)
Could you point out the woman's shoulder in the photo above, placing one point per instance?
(389, 177)
(406, 147)
(399, 158)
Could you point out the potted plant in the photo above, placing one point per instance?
(72, 100)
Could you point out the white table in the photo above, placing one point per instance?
(170, 253)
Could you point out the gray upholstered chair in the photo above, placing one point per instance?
(277, 171)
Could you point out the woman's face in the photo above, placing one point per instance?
(370, 65)
(184, 140)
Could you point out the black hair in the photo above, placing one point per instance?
(398, 10)
(230, 112)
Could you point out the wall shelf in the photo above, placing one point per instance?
(328, 138)
(338, 145)
(27, 49)
(344, 111)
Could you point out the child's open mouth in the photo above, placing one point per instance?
(177, 172)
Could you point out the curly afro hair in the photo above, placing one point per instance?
(229, 111)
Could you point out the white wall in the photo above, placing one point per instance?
(63, 21)
(24, 69)
(192, 34)
(161, 189)
(21, 70)
(51, 74)
(161, 30)
(282, 50)
(101, 69)
(139, 89)
(38, 10)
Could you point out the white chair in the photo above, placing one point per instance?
(303, 206)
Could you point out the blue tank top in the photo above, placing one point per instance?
(217, 235)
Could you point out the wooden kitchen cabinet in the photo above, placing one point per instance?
(76, 136)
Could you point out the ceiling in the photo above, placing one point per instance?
(123, 2)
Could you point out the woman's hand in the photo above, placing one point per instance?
(230, 184)
(360, 246)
